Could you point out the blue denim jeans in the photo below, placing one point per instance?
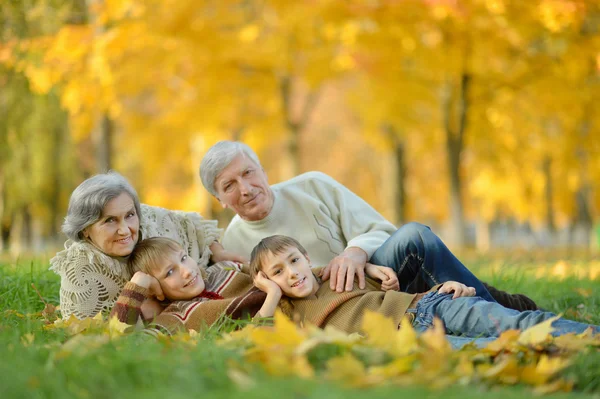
(422, 260)
(473, 317)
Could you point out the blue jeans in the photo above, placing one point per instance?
(422, 260)
(474, 317)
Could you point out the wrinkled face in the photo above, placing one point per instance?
(179, 276)
(290, 270)
(116, 232)
(243, 187)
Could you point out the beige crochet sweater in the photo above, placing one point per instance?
(91, 281)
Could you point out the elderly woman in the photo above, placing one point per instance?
(104, 222)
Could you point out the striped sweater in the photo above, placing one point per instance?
(228, 291)
(345, 310)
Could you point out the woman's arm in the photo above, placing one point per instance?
(220, 254)
(84, 273)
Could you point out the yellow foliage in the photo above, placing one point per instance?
(513, 358)
(538, 334)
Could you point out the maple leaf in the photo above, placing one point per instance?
(283, 333)
(396, 367)
(505, 342)
(405, 340)
(379, 330)
(27, 339)
(505, 370)
(81, 345)
(538, 334)
(240, 378)
(346, 368)
(435, 338)
(117, 327)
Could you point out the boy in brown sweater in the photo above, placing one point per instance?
(196, 297)
(281, 268)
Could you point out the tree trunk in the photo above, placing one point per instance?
(482, 235)
(547, 171)
(54, 205)
(104, 139)
(399, 149)
(295, 124)
(454, 146)
(27, 228)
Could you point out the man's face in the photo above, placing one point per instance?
(179, 276)
(243, 187)
(290, 270)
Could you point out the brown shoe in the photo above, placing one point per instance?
(518, 302)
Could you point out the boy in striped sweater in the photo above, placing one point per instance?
(281, 268)
(196, 297)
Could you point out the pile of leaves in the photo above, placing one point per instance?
(384, 354)
(387, 355)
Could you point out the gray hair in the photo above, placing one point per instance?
(89, 199)
(218, 157)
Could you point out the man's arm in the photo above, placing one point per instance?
(364, 229)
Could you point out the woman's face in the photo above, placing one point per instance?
(116, 232)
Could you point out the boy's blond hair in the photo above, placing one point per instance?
(151, 252)
(271, 245)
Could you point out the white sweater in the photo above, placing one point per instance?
(322, 214)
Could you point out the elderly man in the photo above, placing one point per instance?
(337, 227)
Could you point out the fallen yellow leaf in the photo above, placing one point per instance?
(539, 333)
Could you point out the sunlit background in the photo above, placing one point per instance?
(478, 117)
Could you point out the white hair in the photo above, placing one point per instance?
(89, 199)
(218, 157)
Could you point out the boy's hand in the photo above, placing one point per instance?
(147, 281)
(262, 282)
(151, 308)
(387, 275)
(459, 289)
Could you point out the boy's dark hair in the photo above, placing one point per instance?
(271, 245)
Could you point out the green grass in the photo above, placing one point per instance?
(140, 366)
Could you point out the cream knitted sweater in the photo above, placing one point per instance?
(322, 214)
(91, 281)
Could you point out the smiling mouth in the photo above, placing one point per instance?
(253, 198)
(192, 281)
(123, 240)
(299, 282)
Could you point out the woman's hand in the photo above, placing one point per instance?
(387, 276)
(147, 281)
(459, 289)
(220, 254)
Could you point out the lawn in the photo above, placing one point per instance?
(35, 363)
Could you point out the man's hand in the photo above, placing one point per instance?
(387, 276)
(459, 289)
(341, 270)
(262, 282)
(147, 281)
(220, 254)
